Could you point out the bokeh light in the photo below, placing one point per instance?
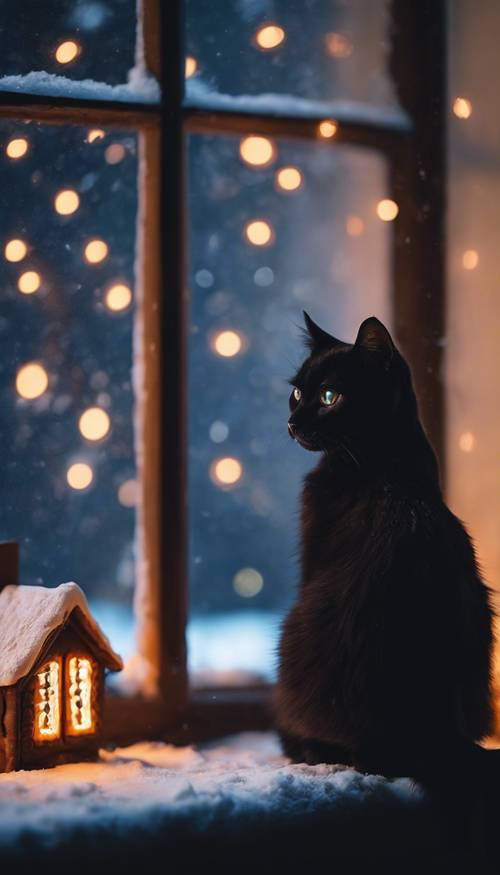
(96, 251)
(354, 226)
(259, 232)
(114, 153)
(29, 282)
(31, 381)
(118, 297)
(338, 45)
(17, 147)
(467, 442)
(94, 424)
(226, 471)
(248, 582)
(15, 250)
(462, 107)
(218, 432)
(127, 493)
(270, 36)
(191, 66)
(327, 128)
(66, 202)
(387, 210)
(257, 151)
(289, 178)
(79, 475)
(227, 343)
(67, 51)
(95, 134)
(470, 259)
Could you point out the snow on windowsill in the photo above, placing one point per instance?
(140, 88)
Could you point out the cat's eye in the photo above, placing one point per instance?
(297, 394)
(329, 397)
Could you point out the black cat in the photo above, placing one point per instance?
(385, 658)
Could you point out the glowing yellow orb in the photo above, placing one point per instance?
(289, 178)
(467, 442)
(95, 134)
(66, 202)
(31, 381)
(118, 297)
(191, 66)
(226, 471)
(17, 148)
(270, 36)
(67, 51)
(327, 128)
(94, 423)
(114, 153)
(29, 282)
(470, 259)
(258, 151)
(127, 493)
(227, 343)
(15, 250)
(79, 475)
(462, 107)
(259, 232)
(248, 582)
(387, 210)
(354, 226)
(96, 251)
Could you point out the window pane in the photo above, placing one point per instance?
(294, 57)
(68, 201)
(299, 231)
(73, 49)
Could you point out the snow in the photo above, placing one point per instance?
(140, 88)
(29, 615)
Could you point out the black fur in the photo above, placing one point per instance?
(385, 658)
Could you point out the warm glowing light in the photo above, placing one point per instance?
(226, 471)
(47, 723)
(227, 343)
(259, 232)
(79, 475)
(289, 178)
(15, 250)
(327, 128)
(31, 381)
(248, 582)
(387, 210)
(79, 703)
(467, 442)
(191, 66)
(338, 45)
(470, 259)
(94, 423)
(29, 282)
(17, 148)
(270, 36)
(67, 52)
(66, 202)
(118, 297)
(258, 151)
(127, 493)
(462, 107)
(95, 134)
(354, 226)
(114, 153)
(96, 251)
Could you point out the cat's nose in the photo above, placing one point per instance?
(292, 429)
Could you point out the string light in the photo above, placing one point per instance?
(114, 153)
(79, 475)
(94, 423)
(226, 471)
(462, 107)
(66, 202)
(95, 134)
(17, 148)
(338, 45)
(67, 52)
(387, 210)
(29, 282)
(118, 297)
(227, 344)
(327, 128)
(15, 250)
(269, 37)
(289, 178)
(191, 66)
(248, 582)
(31, 381)
(127, 493)
(96, 251)
(257, 151)
(259, 232)
(354, 226)
(467, 442)
(470, 259)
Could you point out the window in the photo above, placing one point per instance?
(47, 726)
(159, 243)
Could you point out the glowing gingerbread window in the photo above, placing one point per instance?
(47, 702)
(79, 678)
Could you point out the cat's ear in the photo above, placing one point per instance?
(317, 339)
(374, 338)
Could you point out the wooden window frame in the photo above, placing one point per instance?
(416, 162)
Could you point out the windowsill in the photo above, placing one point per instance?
(231, 803)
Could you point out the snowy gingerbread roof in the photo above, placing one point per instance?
(29, 617)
